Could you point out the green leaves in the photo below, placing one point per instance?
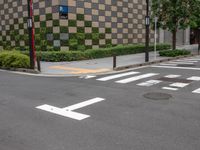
(176, 14)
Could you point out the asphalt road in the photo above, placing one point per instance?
(124, 120)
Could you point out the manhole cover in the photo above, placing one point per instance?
(157, 96)
(186, 65)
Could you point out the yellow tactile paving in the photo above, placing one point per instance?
(73, 70)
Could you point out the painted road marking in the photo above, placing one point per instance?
(78, 70)
(193, 59)
(179, 85)
(116, 76)
(172, 67)
(149, 83)
(187, 63)
(69, 111)
(194, 78)
(84, 104)
(165, 64)
(172, 76)
(196, 91)
(170, 88)
(128, 80)
(87, 77)
(62, 112)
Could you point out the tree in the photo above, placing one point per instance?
(175, 14)
(196, 23)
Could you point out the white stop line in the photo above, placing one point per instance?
(69, 111)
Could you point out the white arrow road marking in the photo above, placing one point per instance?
(68, 111)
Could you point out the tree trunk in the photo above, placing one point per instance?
(174, 39)
(198, 41)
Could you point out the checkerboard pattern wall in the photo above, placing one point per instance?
(90, 23)
(108, 22)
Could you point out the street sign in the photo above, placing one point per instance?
(63, 10)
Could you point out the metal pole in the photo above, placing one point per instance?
(31, 35)
(155, 36)
(147, 23)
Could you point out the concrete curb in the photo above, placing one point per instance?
(22, 70)
(152, 62)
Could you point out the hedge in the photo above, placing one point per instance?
(14, 59)
(174, 53)
(58, 56)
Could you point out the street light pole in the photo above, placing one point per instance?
(31, 34)
(147, 23)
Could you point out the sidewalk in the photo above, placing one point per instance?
(88, 67)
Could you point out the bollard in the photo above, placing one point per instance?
(38, 64)
(114, 61)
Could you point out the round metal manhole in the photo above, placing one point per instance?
(186, 65)
(157, 96)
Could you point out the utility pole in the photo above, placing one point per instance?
(147, 23)
(31, 34)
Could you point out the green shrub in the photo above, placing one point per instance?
(95, 36)
(13, 59)
(49, 17)
(72, 23)
(80, 54)
(80, 36)
(37, 18)
(80, 17)
(174, 53)
(88, 23)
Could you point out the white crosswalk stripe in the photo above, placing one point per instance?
(149, 83)
(196, 91)
(117, 76)
(170, 88)
(165, 64)
(174, 67)
(172, 76)
(179, 85)
(175, 64)
(194, 78)
(189, 61)
(136, 76)
(132, 79)
(178, 63)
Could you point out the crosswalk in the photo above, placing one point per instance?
(171, 82)
(185, 64)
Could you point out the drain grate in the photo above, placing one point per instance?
(157, 96)
(175, 80)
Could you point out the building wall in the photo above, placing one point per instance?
(90, 23)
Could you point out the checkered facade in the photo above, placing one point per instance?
(90, 23)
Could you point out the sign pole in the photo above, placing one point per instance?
(155, 38)
(147, 23)
(31, 34)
